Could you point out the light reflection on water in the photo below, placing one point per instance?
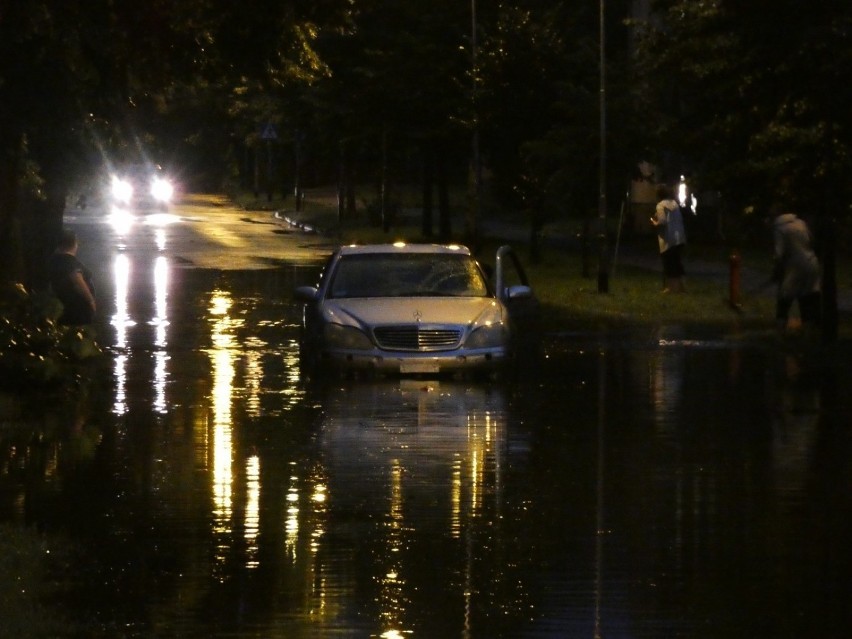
(121, 322)
(222, 356)
(160, 322)
(252, 519)
(649, 490)
(435, 451)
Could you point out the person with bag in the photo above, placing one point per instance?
(671, 236)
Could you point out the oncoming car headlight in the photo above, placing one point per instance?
(490, 335)
(161, 190)
(122, 190)
(346, 337)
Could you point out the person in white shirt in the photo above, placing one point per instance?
(671, 235)
(796, 269)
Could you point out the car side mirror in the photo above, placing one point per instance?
(306, 293)
(519, 291)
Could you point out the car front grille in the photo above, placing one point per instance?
(417, 338)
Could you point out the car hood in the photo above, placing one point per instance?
(427, 310)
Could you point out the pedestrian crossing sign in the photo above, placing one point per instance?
(269, 132)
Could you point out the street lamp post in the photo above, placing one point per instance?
(473, 212)
(603, 268)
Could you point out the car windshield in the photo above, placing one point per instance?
(407, 275)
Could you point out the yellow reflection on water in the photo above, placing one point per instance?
(392, 594)
(253, 374)
(481, 441)
(223, 355)
(453, 437)
(475, 480)
(319, 499)
(319, 493)
(290, 355)
(251, 525)
(455, 498)
(291, 526)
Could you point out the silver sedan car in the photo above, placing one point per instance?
(412, 309)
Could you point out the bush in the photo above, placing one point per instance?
(35, 350)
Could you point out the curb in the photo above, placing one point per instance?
(305, 227)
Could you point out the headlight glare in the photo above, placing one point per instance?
(122, 190)
(161, 190)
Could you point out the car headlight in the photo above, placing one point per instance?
(346, 337)
(489, 335)
(122, 190)
(161, 190)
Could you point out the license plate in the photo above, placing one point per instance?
(418, 367)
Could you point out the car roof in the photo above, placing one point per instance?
(402, 247)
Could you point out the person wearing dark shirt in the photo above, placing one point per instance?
(71, 282)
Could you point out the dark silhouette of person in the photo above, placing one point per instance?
(71, 282)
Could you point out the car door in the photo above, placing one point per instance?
(513, 287)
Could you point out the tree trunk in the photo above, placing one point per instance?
(11, 262)
(40, 230)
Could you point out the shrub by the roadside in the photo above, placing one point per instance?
(34, 349)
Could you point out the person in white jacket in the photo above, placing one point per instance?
(796, 270)
(671, 235)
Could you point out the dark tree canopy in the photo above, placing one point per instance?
(82, 79)
(749, 98)
(753, 94)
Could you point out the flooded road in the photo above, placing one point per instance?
(649, 483)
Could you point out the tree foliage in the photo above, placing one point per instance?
(105, 75)
(752, 95)
(750, 98)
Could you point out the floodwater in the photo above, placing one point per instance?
(649, 483)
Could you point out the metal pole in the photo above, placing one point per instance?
(473, 213)
(618, 233)
(603, 272)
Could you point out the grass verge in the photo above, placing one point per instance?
(566, 293)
